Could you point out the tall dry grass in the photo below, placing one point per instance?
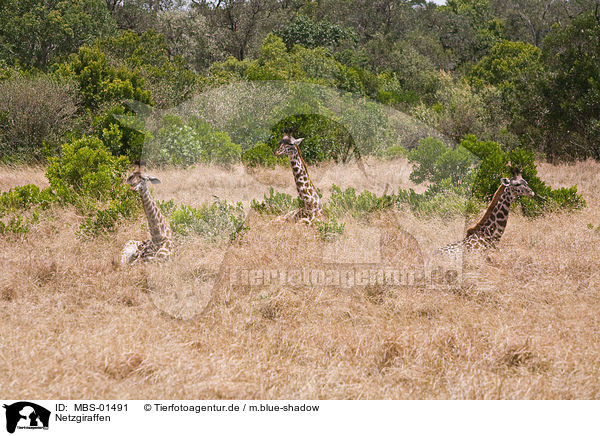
(523, 324)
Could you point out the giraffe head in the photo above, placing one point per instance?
(138, 178)
(288, 145)
(517, 186)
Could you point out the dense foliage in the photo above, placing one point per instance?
(92, 83)
(521, 73)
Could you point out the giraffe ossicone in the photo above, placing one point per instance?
(307, 192)
(490, 228)
(160, 246)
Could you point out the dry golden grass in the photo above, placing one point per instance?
(524, 324)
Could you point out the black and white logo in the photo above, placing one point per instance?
(26, 415)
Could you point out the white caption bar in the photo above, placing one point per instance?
(23, 417)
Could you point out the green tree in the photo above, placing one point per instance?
(570, 91)
(469, 29)
(311, 34)
(36, 33)
(35, 114)
(514, 68)
(167, 77)
(100, 82)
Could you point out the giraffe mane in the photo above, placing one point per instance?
(488, 212)
(302, 160)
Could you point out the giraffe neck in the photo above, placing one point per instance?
(492, 227)
(300, 175)
(159, 227)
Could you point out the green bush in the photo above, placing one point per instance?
(276, 203)
(324, 138)
(347, 202)
(259, 155)
(186, 143)
(176, 143)
(497, 163)
(106, 217)
(307, 33)
(390, 91)
(444, 201)
(215, 222)
(460, 110)
(101, 82)
(25, 197)
(18, 224)
(85, 167)
(434, 162)
(166, 76)
(20, 206)
(223, 150)
(88, 176)
(122, 131)
(463, 179)
(330, 230)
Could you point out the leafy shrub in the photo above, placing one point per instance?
(25, 197)
(106, 217)
(307, 33)
(461, 180)
(85, 167)
(223, 151)
(276, 203)
(176, 143)
(18, 224)
(166, 206)
(20, 206)
(102, 89)
(434, 162)
(181, 143)
(330, 230)
(35, 113)
(390, 91)
(347, 202)
(167, 77)
(443, 201)
(324, 138)
(214, 222)
(122, 131)
(259, 155)
(460, 110)
(497, 163)
(100, 82)
(299, 63)
(88, 176)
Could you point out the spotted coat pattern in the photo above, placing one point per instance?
(307, 192)
(488, 231)
(160, 246)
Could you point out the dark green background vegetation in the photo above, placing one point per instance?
(509, 80)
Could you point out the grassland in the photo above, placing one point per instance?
(524, 324)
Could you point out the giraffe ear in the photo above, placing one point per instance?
(153, 180)
(298, 141)
(505, 181)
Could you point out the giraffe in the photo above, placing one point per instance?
(160, 245)
(306, 190)
(487, 232)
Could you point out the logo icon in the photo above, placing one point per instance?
(26, 415)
